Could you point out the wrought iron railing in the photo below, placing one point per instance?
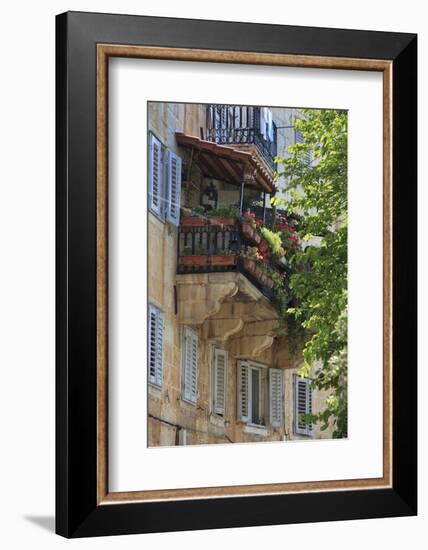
(218, 248)
(240, 125)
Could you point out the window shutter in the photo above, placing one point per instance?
(263, 121)
(302, 404)
(174, 188)
(243, 392)
(309, 408)
(190, 364)
(270, 125)
(155, 175)
(219, 382)
(275, 397)
(156, 330)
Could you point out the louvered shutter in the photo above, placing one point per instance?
(190, 364)
(155, 175)
(156, 331)
(303, 404)
(275, 397)
(174, 188)
(243, 392)
(309, 407)
(219, 381)
(269, 125)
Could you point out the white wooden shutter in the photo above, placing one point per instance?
(243, 392)
(155, 175)
(302, 404)
(269, 125)
(275, 397)
(219, 381)
(190, 364)
(156, 331)
(174, 188)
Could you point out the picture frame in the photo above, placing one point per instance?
(84, 44)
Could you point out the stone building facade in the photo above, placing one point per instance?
(219, 371)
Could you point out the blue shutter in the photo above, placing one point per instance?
(174, 188)
(155, 175)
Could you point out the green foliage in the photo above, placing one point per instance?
(274, 239)
(317, 192)
(225, 212)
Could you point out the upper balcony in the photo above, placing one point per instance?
(249, 128)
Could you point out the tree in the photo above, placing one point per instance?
(316, 172)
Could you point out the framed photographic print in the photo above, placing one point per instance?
(236, 274)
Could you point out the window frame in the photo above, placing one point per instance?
(263, 392)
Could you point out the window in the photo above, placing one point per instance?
(164, 182)
(258, 387)
(189, 363)
(302, 404)
(156, 331)
(219, 381)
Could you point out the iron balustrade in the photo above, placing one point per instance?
(215, 248)
(240, 125)
(208, 240)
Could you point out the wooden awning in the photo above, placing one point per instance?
(226, 163)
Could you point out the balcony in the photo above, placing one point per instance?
(216, 245)
(241, 126)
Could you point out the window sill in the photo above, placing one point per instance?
(256, 430)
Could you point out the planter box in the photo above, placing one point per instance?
(251, 234)
(258, 272)
(264, 245)
(249, 265)
(216, 220)
(248, 231)
(206, 260)
(192, 221)
(194, 260)
(222, 260)
(269, 282)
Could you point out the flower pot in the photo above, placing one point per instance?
(192, 221)
(269, 282)
(222, 260)
(217, 220)
(194, 260)
(257, 238)
(259, 272)
(264, 245)
(248, 231)
(249, 265)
